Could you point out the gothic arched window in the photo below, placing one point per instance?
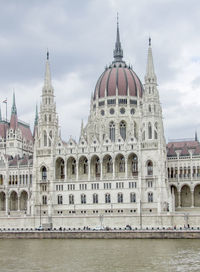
(123, 130)
(112, 131)
(95, 198)
(50, 137)
(149, 131)
(73, 167)
(120, 198)
(149, 168)
(135, 165)
(83, 199)
(122, 164)
(97, 166)
(135, 129)
(44, 173)
(150, 197)
(132, 197)
(71, 199)
(110, 165)
(107, 198)
(85, 166)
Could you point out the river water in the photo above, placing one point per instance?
(99, 255)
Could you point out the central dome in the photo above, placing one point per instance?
(118, 79)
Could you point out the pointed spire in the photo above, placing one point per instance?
(150, 76)
(118, 52)
(82, 127)
(14, 108)
(196, 137)
(47, 79)
(36, 116)
(13, 119)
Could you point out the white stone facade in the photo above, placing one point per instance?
(118, 170)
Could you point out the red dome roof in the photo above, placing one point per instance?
(118, 79)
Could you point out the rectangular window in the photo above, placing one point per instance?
(71, 199)
(60, 199)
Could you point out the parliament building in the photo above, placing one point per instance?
(121, 170)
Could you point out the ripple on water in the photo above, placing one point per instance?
(100, 255)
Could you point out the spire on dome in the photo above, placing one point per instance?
(118, 52)
(150, 72)
(14, 108)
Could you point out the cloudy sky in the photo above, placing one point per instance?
(80, 36)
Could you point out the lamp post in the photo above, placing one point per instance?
(40, 214)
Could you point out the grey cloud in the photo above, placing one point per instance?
(80, 36)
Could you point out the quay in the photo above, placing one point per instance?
(101, 234)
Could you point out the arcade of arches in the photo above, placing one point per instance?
(14, 201)
(185, 196)
(107, 167)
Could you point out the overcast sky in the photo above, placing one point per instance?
(80, 36)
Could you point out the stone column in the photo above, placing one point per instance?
(113, 170)
(126, 167)
(101, 169)
(192, 198)
(18, 204)
(77, 170)
(7, 201)
(65, 171)
(88, 170)
(179, 199)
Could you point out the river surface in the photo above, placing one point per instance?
(99, 255)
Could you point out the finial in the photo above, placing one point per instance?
(118, 52)
(196, 137)
(47, 54)
(149, 41)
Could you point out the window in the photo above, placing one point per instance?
(85, 166)
(50, 138)
(149, 168)
(132, 184)
(112, 131)
(150, 183)
(134, 165)
(71, 199)
(95, 186)
(109, 165)
(73, 167)
(44, 200)
(83, 199)
(122, 164)
(132, 197)
(120, 198)
(44, 173)
(107, 198)
(60, 199)
(123, 130)
(97, 167)
(107, 185)
(149, 131)
(95, 198)
(150, 197)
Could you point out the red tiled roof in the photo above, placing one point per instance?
(118, 77)
(183, 147)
